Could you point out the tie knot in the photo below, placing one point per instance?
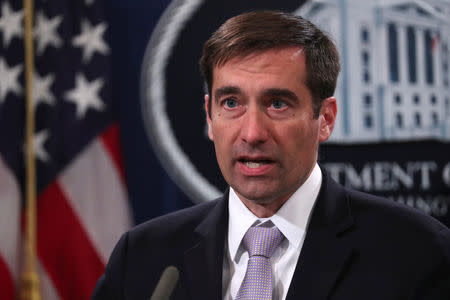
(262, 240)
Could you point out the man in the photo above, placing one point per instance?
(271, 78)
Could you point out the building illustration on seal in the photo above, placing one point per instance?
(394, 83)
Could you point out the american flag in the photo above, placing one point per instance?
(82, 202)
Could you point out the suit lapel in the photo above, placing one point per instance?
(203, 262)
(326, 250)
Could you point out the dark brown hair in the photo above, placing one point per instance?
(259, 31)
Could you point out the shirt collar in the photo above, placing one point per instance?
(291, 219)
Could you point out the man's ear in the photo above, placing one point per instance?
(327, 117)
(208, 118)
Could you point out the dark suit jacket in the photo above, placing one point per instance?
(357, 246)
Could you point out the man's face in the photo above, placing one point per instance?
(262, 124)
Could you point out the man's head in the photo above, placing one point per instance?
(260, 31)
(266, 112)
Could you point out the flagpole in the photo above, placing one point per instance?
(30, 288)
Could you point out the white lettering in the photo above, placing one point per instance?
(399, 175)
(436, 206)
(335, 170)
(382, 176)
(387, 176)
(359, 181)
(425, 169)
(446, 174)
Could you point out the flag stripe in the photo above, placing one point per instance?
(47, 289)
(64, 248)
(7, 289)
(96, 193)
(9, 231)
(111, 140)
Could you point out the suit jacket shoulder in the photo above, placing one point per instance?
(359, 246)
(143, 253)
(398, 226)
(173, 224)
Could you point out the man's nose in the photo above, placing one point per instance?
(254, 128)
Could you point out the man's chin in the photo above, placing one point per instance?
(262, 204)
(257, 196)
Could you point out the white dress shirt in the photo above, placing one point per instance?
(291, 219)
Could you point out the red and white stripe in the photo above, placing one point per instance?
(81, 216)
(9, 232)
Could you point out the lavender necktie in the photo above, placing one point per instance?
(260, 243)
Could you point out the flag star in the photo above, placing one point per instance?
(41, 89)
(9, 79)
(46, 32)
(90, 39)
(10, 23)
(85, 95)
(38, 145)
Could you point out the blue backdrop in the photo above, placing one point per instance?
(153, 192)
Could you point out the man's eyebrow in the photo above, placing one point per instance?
(276, 92)
(226, 90)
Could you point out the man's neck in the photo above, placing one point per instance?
(265, 208)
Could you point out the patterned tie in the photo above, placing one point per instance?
(261, 243)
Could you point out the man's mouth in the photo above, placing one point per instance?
(253, 164)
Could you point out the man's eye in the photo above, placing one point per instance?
(231, 103)
(277, 104)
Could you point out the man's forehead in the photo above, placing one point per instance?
(291, 52)
(285, 62)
